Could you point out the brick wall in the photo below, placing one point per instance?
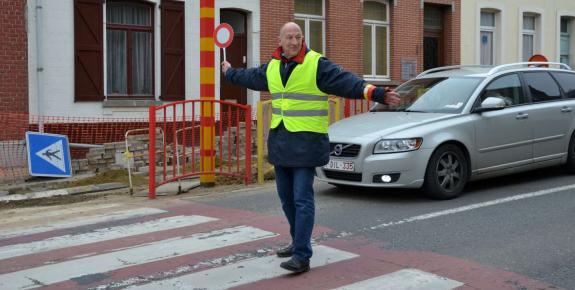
(406, 35)
(344, 28)
(452, 30)
(13, 56)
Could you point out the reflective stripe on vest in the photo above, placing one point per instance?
(301, 105)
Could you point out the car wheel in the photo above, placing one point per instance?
(446, 173)
(570, 166)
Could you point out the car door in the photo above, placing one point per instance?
(503, 137)
(551, 116)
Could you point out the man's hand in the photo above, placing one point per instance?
(391, 97)
(225, 66)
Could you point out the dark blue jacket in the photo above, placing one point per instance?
(302, 149)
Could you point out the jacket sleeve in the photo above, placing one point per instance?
(334, 80)
(251, 78)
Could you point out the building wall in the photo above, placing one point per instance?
(51, 92)
(55, 94)
(510, 28)
(13, 56)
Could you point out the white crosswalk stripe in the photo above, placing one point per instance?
(156, 251)
(244, 272)
(241, 269)
(82, 221)
(100, 235)
(411, 279)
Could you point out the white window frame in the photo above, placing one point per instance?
(568, 35)
(571, 15)
(375, 23)
(156, 47)
(493, 30)
(500, 32)
(306, 18)
(538, 36)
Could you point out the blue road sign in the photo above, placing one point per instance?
(48, 155)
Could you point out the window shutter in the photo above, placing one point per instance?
(88, 51)
(173, 82)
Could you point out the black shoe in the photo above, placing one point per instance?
(285, 252)
(295, 265)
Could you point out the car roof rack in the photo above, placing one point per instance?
(534, 64)
(452, 67)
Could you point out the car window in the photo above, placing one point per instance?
(567, 82)
(541, 86)
(507, 88)
(434, 95)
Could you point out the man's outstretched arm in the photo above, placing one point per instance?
(334, 80)
(251, 78)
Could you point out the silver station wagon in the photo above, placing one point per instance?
(457, 124)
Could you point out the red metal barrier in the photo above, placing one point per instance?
(179, 154)
(355, 107)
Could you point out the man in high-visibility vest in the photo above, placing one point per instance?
(300, 80)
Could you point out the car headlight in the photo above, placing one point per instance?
(397, 145)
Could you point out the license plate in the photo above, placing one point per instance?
(340, 165)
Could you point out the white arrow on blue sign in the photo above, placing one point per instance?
(48, 155)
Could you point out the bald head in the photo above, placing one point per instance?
(291, 39)
(290, 26)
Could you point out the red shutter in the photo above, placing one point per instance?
(173, 82)
(88, 50)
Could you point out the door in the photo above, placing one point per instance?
(433, 41)
(504, 137)
(236, 54)
(431, 52)
(551, 116)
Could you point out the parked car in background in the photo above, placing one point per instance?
(457, 124)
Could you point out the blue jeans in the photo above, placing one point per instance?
(295, 189)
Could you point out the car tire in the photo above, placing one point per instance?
(570, 165)
(447, 173)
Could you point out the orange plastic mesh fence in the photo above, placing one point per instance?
(82, 130)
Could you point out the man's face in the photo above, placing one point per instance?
(291, 40)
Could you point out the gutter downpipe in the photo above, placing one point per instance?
(39, 66)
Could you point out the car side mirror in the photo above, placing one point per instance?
(490, 104)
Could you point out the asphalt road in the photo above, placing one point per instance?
(522, 223)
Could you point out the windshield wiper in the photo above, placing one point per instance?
(413, 111)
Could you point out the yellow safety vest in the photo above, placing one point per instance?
(300, 104)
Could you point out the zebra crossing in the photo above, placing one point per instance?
(183, 247)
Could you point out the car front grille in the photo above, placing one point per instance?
(347, 176)
(349, 150)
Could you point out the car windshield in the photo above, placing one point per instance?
(433, 95)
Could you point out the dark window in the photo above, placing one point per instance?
(507, 88)
(567, 82)
(129, 48)
(541, 86)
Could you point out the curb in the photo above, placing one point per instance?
(65, 191)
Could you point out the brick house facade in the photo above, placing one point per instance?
(343, 24)
(343, 32)
(13, 56)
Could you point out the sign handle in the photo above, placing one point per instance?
(224, 54)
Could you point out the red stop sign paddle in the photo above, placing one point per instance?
(223, 36)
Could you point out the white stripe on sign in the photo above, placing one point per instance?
(475, 206)
(245, 272)
(100, 235)
(82, 221)
(156, 251)
(406, 279)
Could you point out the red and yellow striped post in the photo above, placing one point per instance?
(207, 92)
